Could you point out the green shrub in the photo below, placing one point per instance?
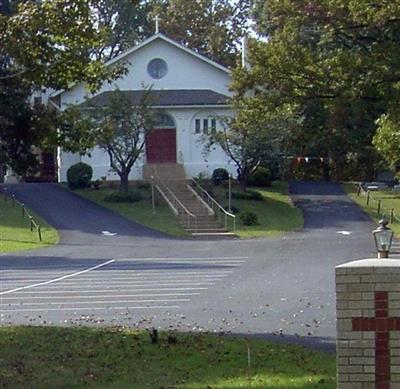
(248, 195)
(79, 175)
(96, 184)
(219, 175)
(249, 218)
(262, 177)
(132, 196)
(234, 209)
(143, 185)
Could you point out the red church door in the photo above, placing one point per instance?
(161, 146)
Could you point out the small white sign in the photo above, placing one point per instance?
(343, 232)
(108, 233)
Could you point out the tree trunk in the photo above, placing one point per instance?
(124, 182)
(326, 170)
(243, 182)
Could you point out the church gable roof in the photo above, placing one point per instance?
(165, 98)
(173, 43)
(221, 73)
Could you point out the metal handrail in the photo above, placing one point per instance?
(189, 214)
(214, 203)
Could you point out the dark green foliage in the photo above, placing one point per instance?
(249, 218)
(262, 177)
(219, 175)
(79, 175)
(96, 184)
(234, 209)
(132, 196)
(143, 185)
(248, 195)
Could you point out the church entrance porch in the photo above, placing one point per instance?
(161, 146)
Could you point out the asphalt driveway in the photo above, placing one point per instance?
(281, 288)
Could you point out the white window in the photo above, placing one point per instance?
(157, 68)
(205, 126)
(213, 125)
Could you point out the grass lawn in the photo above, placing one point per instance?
(141, 212)
(56, 357)
(389, 200)
(15, 233)
(276, 214)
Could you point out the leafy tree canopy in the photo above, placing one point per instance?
(49, 44)
(119, 129)
(337, 60)
(214, 28)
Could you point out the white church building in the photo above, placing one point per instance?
(189, 94)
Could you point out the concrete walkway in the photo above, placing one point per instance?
(281, 288)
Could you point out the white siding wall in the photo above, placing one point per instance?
(185, 71)
(190, 149)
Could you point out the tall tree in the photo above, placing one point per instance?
(50, 43)
(342, 56)
(120, 129)
(387, 138)
(124, 23)
(255, 135)
(212, 28)
(45, 43)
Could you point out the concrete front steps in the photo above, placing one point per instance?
(171, 179)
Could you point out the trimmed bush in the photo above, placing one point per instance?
(132, 196)
(143, 185)
(219, 175)
(262, 177)
(96, 184)
(234, 209)
(79, 175)
(249, 218)
(248, 195)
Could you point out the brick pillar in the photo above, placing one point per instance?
(368, 324)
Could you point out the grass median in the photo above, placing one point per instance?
(275, 213)
(56, 357)
(141, 211)
(15, 232)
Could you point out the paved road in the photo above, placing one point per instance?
(281, 288)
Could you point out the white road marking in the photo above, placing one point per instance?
(110, 279)
(92, 308)
(134, 283)
(344, 232)
(109, 275)
(51, 292)
(141, 282)
(57, 279)
(97, 302)
(100, 296)
(182, 258)
(108, 233)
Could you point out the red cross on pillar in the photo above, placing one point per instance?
(381, 324)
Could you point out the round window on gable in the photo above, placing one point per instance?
(157, 68)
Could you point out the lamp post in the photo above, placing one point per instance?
(230, 193)
(383, 237)
(153, 199)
